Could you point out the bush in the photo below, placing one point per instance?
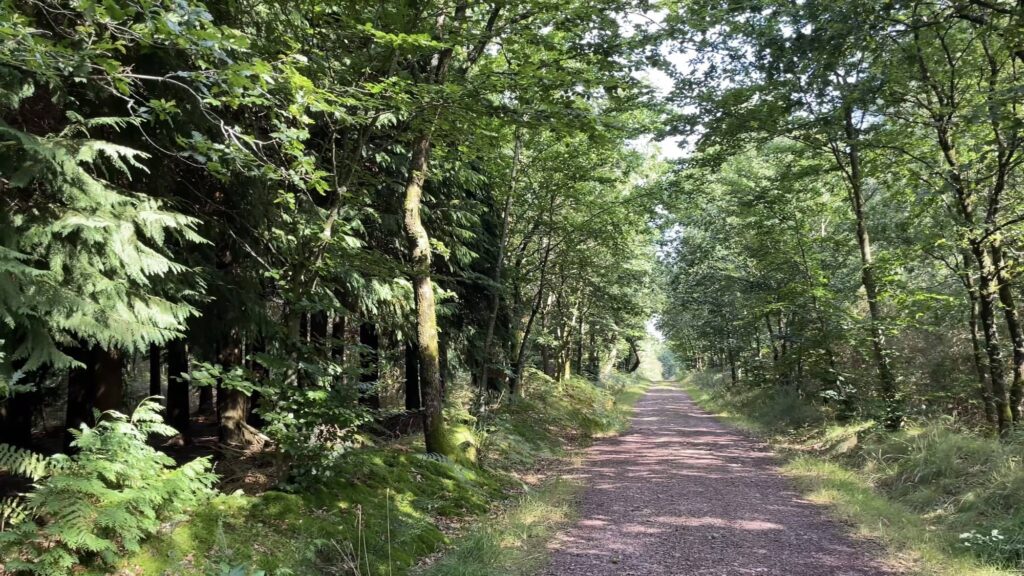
(102, 501)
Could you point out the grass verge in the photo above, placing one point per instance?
(931, 494)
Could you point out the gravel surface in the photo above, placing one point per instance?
(682, 494)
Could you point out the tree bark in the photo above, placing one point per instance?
(338, 346)
(524, 344)
(178, 408)
(155, 388)
(987, 299)
(109, 380)
(593, 362)
(442, 350)
(633, 359)
(413, 401)
(977, 353)
(369, 365)
(578, 366)
(435, 434)
(233, 405)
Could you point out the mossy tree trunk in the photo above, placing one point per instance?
(435, 434)
(1013, 325)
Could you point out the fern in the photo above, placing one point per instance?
(21, 462)
(91, 265)
(101, 502)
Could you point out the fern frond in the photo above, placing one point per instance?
(21, 462)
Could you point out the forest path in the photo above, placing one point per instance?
(682, 494)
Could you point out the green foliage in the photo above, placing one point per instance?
(84, 267)
(25, 464)
(103, 500)
(229, 180)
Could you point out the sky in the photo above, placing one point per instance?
(672, 148)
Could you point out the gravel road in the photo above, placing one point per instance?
(682, 494)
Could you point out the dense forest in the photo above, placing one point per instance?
(282, 246)
(850, 225)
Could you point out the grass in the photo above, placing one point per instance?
(383, 509)
(512, 543)
(918, 492)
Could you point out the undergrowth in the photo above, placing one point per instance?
(942, 498)
(385, 508)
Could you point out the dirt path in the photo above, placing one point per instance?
(682, 494)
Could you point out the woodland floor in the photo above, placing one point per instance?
(683, 494)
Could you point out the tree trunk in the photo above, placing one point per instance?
(435, 435)
(434, 432)
(593, 366)
(579, 345)
(977, 353)
(178, 409)
(369, 365)
(413, 401)
(155, 388)
(889, 392)
(524, 344)
(1012, 317)
(987, 295)
(442, 350)
(733, 371)
(260, 373)
(233, 405)
(338, 346)
(632, 360)
(499, 267)
(771, 340)
(81, 393)
(109, 380)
